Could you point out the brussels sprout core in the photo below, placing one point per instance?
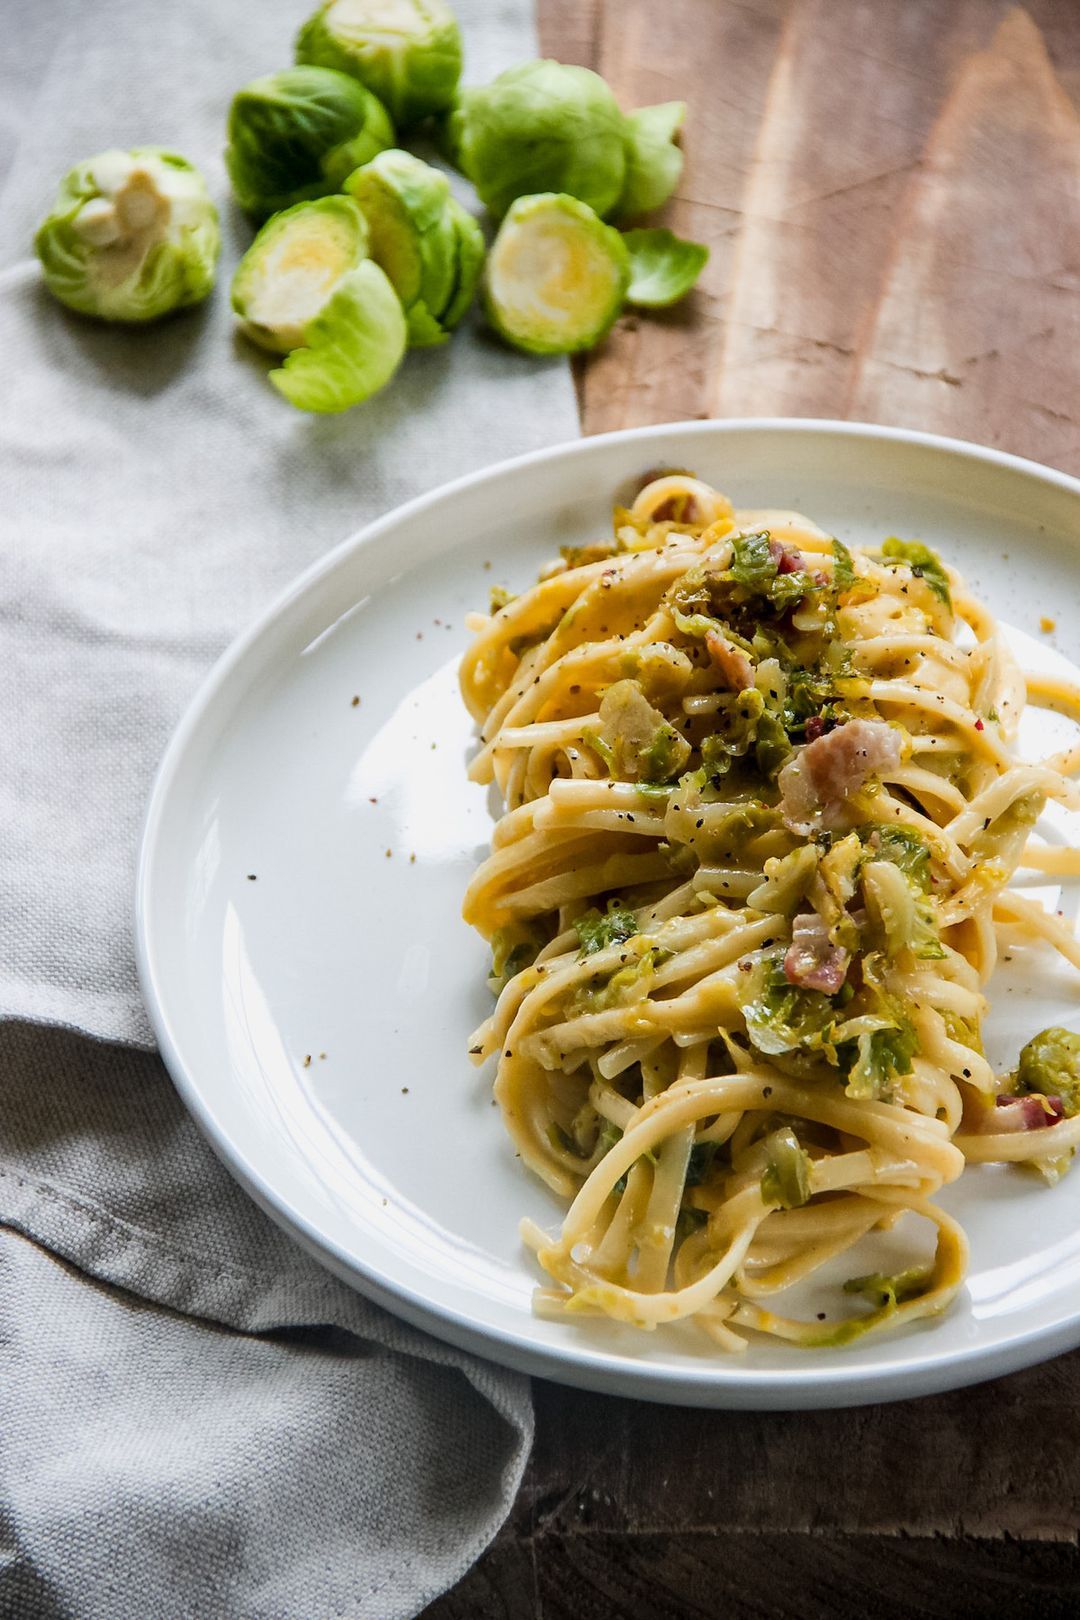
(556, 275)
(132, 236)
(408, 52)
(306, 289)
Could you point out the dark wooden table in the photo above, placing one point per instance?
(891, 193)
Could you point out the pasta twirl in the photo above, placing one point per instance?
(761, 815)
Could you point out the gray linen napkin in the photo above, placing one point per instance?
(195, 1419)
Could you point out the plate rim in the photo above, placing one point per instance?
(720, 1384)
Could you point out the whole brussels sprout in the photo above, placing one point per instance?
(556, 275)
(430, 248)
(131, 236)
(296, 135)
(548, 127)
(541, 127)
(407, 51)
(305, 288)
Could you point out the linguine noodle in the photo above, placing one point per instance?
(761, 818)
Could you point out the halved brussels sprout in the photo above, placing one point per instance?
(306, 289)
(430, 248)
(545, 126)
(296, 135)
(653, 160)
(131, 236)
(663, 267)
(556, 275)
(407, 51)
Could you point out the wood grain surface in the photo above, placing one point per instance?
(890, 190)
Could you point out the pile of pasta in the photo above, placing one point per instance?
(761, 819)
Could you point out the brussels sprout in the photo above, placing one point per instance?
(430, 248)
(407, 51)
(131, 236)
(544, 126)
(541, 127)
(663, 267)
(556, 275)
(296, 135)
(653, 161)
(306, 289)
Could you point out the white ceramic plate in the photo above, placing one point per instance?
(312, 984)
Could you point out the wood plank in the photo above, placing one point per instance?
(891, 197)
(761, 1575)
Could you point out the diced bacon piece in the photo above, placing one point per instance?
(816, 785)
(786, 558)
(1031, 1113)
(735, 668)
(812, 961)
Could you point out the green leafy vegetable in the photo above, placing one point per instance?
(663, 267)
(512, 949)
(653, 160)
(596, 930)
(903, 913)
(787, 879)
(643, 746)
(924, 564)
(843, 566)
(555, 277)
(1011, 826)
(786, 1177)
(131, 236)
(700, 1163)
(771, 745)
(890, 1291)
(429, 247)
(877, 1058)
(736, 722)
(298, 134)
(629, 983)
(1050, 1064)
(755, 567)
(408, 52)
(306, 290)
(906, 849)
(782, 1018)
